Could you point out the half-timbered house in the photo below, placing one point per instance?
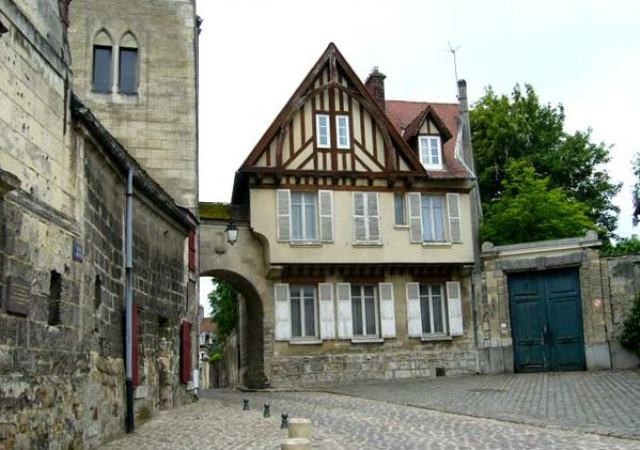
(365, 208)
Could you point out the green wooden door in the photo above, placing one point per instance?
(546, 321)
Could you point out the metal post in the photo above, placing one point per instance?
(129, 421)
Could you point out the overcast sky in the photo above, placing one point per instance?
(583, 54)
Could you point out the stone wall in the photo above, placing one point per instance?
(621, 285)
(157, 125)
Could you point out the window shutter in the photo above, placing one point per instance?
(373, 217)
(283, 312)
(284, 214)
(455, 224)
(185, 352)
(387, 310)
(414, 318)
(326, 215)
(454, 299)
(359, 227)
(135, 343)
(415, 217)
(327, 314)
(345, 323)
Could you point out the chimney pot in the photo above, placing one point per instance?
(375, 86)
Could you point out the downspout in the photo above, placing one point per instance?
(128, 288)
(476, 211)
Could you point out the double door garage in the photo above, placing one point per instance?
(546, 320)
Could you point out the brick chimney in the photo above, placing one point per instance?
(375, 86)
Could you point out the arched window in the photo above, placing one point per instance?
(128, 68)
(102, 62)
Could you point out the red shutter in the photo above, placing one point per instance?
(135, 369)
(185, 352)
(192, 250)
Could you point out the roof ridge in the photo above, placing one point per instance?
(422, 102)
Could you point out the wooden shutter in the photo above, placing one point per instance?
(283, 312)
(135, 346)
(192, 251)
(359, 218)
(414, 318)
(283, 200)
(415, 216)
(387, 310)
(325, 199)
(345, 323)
(455, 224)
(327, 313)
(373, 217)
(185, 352)
(454, 298)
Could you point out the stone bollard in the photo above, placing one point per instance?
(300, 428)
(296, 444)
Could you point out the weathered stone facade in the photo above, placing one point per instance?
(157, 124)
(62, 178)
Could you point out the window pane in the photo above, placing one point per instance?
(424, 150)
(399, 209)
(435, 151)
(438, 218)
(309, 316)
(128, 80)
(310, 216)
(323, 130)
(296, 220)
(438, 311)
(425, 313)
(343, 131)
(370, 314)
(296, 319)
(356, 313)
(102, 69)
(427, 228)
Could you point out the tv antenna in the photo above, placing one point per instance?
(453, 51)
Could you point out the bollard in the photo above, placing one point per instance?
(245, 404)
(267, 410)
(285, 421)
(300, 428)
(296, 444)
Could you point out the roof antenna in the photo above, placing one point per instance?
(453, 52)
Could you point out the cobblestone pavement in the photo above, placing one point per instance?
(345, 422)
(599, 402)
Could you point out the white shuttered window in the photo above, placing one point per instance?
(434, 218)
(431, 314)
(366, 218)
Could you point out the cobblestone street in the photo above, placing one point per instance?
(386, 422)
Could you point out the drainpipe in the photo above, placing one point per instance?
(128, 288)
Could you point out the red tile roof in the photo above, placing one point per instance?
(401, 113)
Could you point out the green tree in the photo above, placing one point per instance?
(624, 246)
(630, 336)
(224, 304)
(519, 128)
(528, 209)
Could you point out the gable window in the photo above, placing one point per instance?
(342, 126)
(432, 311)
(102, 68)
(323, 129)
(303, 311)
(433, 218)
(366, 218)
(399, 207)
(364, 311)
(304, 211)
(430, 152)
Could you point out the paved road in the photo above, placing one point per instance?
(600, 402)
(349, 422)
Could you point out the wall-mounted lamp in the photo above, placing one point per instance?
(232, 233)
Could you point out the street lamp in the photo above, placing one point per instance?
(232, 233)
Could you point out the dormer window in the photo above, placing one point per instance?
(342, 125)
(322, 131)
(430, 152)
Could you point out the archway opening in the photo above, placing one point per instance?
(247, 340)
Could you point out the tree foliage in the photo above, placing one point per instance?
(636, 189)
(520, 128)
(224, 304)
(528, 209)
(630, 336)
(624, 246)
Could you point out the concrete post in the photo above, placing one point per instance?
(300, 428)
(296, 444)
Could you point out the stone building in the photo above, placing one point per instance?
(63, 177)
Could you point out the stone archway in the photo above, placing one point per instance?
(251, 329)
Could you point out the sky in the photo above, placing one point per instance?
(582, 54)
